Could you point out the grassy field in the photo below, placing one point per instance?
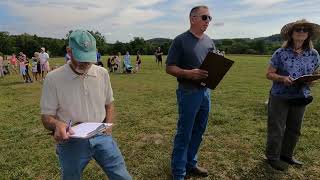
(146, 113)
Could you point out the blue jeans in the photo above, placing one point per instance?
(75, 154)
(194, 107)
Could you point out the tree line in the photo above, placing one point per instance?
(31, 43)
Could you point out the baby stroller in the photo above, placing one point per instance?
(127, 67)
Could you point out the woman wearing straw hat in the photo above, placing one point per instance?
(288, 100)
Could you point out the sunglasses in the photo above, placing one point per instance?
(302, 29)
(205, 17)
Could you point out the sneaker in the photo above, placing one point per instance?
(197, 172)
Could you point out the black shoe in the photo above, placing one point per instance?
(197, 172)
(276, 164)
(291, 160)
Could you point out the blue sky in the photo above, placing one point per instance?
(124, 19)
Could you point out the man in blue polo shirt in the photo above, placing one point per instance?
(185, 56)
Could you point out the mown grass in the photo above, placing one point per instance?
(146, 113)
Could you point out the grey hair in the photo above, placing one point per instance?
(195, 9)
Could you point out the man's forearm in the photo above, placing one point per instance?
(109, 113)
(49, 122)
(176, 71)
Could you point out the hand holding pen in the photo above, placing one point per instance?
(62, 131)
(69, 130)
(69, 125)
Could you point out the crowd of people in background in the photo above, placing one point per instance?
(35, 68)
(114, 63)
(38, 65)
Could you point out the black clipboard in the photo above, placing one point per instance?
(217, 66)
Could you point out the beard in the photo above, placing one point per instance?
(82, 69)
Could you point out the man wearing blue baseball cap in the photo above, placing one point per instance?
(81, 92)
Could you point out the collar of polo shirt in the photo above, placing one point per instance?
(91, 72)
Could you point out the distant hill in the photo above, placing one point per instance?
(273, 38)
(159, 41)
(276, 38)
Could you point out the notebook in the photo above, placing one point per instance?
(306, 78)
(87, 130)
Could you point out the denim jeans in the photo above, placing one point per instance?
(75, 154)
(193, 107)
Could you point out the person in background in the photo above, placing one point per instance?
(127, 63)
(155, 56)
(67, 57)
(159, 54)
(118, 62)
(44, 62)
(81, 91)
(1, 65)
(138, 62)
(288, 100)
(28, 66)
(98, 56)
(6, 66)
(188, 50)
(13, 62)
(109, 63)
(22, 66)
(34, 64)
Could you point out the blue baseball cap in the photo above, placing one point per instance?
(83, 46)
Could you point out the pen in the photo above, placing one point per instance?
(69, 125)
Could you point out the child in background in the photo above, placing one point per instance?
(29, 80)
(34, 66)
(13, 62)
(22, 67)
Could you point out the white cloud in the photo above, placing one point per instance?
(51, 17)
(115, 19)
(262, 3)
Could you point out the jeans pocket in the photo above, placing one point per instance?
(186, 92)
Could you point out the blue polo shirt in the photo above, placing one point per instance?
(188, 52)
(289, 63)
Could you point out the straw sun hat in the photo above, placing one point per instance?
(288, 28)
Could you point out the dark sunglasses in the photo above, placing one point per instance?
(205, 17)
(302, 29)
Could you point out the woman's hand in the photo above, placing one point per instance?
(287, 80)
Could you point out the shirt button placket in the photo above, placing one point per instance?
(86, 92)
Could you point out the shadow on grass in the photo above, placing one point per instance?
(12, 83)
(263, 171)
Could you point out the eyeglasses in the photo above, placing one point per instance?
(204, 17)
(302, 29)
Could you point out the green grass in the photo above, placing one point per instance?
(146, 113)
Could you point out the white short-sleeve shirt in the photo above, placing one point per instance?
(78, 98)
(44, 57)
